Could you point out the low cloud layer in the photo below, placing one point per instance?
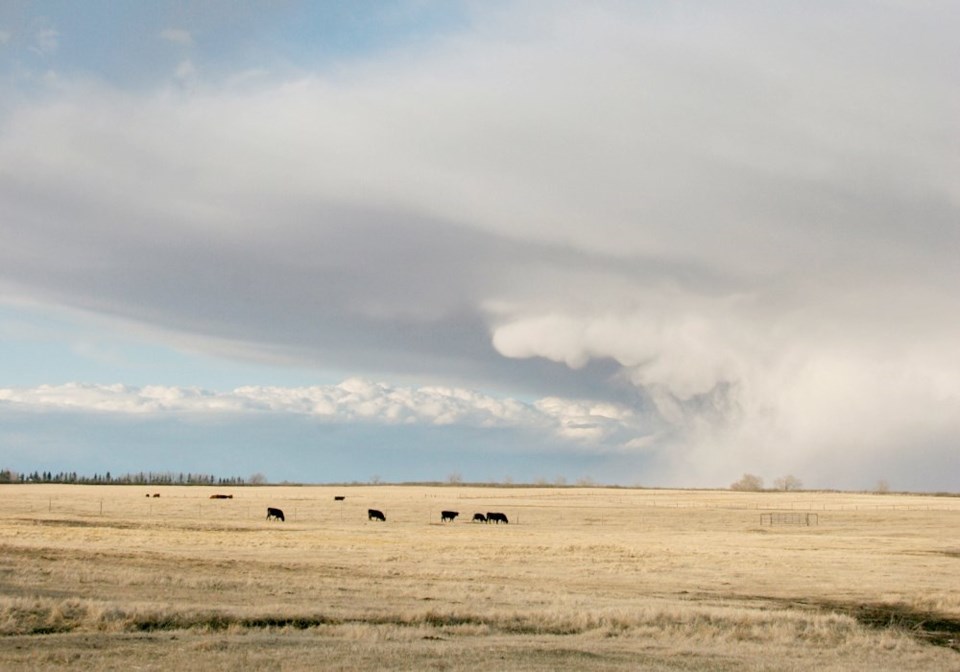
(737, 226)
(352, 401)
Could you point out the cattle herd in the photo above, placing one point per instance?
(273, 513)
(375, 514)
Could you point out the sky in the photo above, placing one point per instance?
(637, 243)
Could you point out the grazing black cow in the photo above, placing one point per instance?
(221, 496)
(156, 494)
(373, 514)
(479, 518)
(496, 518)
(448, 515)
(276, 514)
(338, 498)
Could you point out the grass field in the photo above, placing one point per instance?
(106, 578)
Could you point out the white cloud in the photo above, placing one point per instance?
(750, 212)
(592, 422)
(355, 400)
(185, 71)
(177, 36)
(46, 41)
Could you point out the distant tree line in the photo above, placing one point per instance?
(139, 478)
(753, 483)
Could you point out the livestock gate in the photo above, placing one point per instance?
(789, 518)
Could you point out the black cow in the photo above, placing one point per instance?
(373, 514)
(276, 514)
(479, 518)
(448, 515)
(338, 498)
(496, 518)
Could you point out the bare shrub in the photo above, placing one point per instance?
(748, 482)
(788, 483)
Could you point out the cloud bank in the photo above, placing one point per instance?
(353, 401)
(739, 225)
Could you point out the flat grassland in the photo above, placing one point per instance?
(106, 578)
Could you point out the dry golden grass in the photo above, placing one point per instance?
(583, 578)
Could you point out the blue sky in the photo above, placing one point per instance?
(137, 44)
(642, 243)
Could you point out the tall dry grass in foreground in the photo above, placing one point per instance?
(106, 578)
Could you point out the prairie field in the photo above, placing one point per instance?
(114, 578)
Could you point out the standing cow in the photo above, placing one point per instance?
(497, 518)
(448, 515)
(479, 518)
(373, 514)
(276, 514)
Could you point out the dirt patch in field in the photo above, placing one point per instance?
(946, 554)
(927, 626)
(73, 522)
(924, 625)
(949, 554)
